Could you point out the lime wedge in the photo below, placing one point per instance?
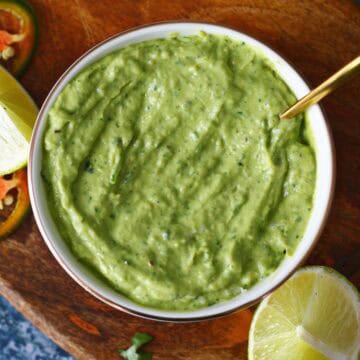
(17, 117)
(314, 315)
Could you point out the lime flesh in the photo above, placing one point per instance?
(17, 117)
(314, 315)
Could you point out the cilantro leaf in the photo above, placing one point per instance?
(141, 339)
(138, 340)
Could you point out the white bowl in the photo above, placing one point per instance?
(323, 191)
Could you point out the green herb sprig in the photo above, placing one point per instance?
(138, 340)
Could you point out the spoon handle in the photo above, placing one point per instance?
(329, 85)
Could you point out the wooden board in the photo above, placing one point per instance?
(317, 36)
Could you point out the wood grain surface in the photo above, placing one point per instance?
(317, 36)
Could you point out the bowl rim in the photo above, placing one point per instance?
(60, 259)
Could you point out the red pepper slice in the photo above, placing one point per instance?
(18, 35)
(6, 40)
(22, 206)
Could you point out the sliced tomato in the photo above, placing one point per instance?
(18, 213)
(18, 35)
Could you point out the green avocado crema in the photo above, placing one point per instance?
(170, 175)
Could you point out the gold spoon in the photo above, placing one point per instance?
(329, 85)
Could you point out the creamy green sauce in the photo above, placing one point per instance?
(170, 174)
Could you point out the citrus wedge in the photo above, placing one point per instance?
(17, 117)
(314, 315)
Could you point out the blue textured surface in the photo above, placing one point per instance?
(20, 340)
